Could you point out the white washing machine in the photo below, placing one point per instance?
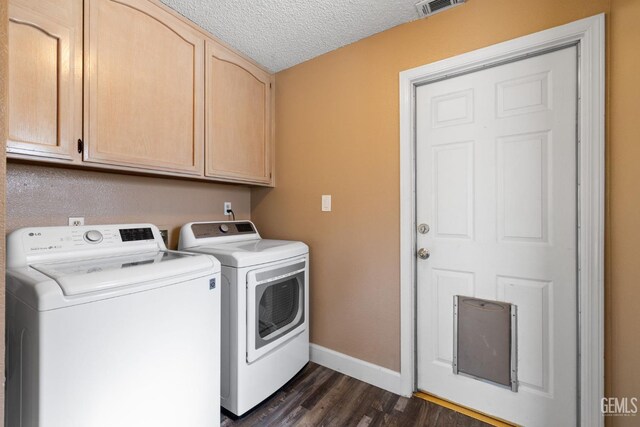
(265, 308)
(105, 327)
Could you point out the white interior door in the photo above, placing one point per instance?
(496, 182)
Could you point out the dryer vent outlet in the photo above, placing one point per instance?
(429, 7)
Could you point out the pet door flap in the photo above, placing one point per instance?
(484, 342)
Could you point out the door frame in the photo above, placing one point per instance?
(589, 35)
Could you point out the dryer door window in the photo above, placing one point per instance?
(276, 307)
(280, 307)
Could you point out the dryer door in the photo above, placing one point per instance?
(276, 306)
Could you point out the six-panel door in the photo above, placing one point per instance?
(143, 87)
(496, 182)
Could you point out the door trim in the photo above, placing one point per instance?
(589, 35)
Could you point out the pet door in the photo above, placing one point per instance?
(485, 340)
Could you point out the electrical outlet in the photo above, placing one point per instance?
(76, 220)
(227, 208)
(165, 236)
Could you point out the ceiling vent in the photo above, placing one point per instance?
(429, 7)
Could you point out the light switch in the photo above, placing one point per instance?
(326, 203)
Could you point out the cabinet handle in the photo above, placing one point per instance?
(80, 146)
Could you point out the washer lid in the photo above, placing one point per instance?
(79, 277)
(252, 252)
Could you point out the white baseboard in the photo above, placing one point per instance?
(359, 369)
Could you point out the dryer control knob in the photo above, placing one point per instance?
(93, 236)
(224, 228)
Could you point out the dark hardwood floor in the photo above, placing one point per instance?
(318, 396)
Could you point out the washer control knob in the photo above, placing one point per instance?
(93, 236)
(224, 228)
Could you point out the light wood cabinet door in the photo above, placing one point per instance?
(45, 78)
(144, 88)
(239, 131)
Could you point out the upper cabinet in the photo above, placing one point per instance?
(45, 78)
(239, 128)
(125, 85)
(144, 87)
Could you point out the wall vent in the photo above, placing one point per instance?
(429, 7)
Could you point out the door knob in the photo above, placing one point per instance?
(423, 253)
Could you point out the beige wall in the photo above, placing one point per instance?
(43, 196)
(623, 261)
(3, 139)
(337, 132)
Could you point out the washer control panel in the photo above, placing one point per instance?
(57, 239)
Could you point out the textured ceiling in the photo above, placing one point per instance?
(281, 33)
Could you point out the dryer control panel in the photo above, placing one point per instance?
(222, 228)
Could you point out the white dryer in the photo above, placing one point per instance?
(265, 308)
(105, 327)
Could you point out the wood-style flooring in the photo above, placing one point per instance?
(318, 396)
